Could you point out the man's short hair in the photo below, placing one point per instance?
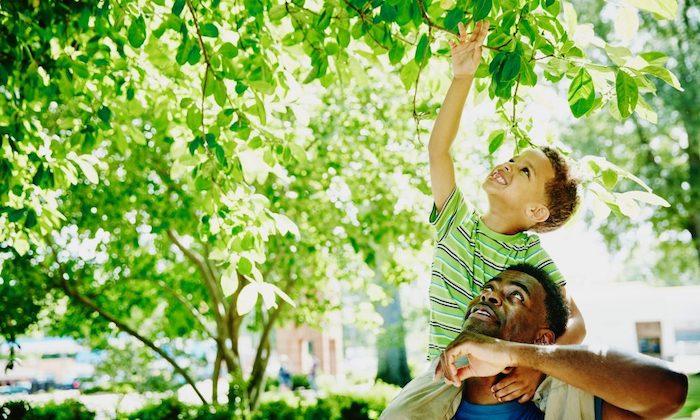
(562, 192)
(557, 310)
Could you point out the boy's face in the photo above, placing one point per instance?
(519, 184)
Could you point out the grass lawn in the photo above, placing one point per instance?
(693, 401)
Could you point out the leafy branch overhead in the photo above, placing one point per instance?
(214, 87)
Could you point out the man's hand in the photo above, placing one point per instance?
(521, 384)
(486, 357)
(466, 52)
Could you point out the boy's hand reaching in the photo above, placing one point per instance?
(466, 52)
(521, 384)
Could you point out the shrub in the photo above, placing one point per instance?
(67, 410)
(166, 409)
(12, 410)
(278, 410)
(300, 381)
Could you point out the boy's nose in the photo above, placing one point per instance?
(506, 167)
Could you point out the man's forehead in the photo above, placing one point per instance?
(513, 276)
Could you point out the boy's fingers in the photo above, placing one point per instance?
(503, 383)
(462, 31)
(525, 398)
(510, 392)
(484, 30)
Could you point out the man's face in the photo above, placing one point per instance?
(520, 181)
(510, 307)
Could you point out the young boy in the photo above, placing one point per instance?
(531, 192)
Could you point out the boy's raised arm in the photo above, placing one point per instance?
(466, 55)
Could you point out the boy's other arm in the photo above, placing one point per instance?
(466, 55)
(576, 326)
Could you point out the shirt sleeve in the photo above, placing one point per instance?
(538, 257)
(452, 214)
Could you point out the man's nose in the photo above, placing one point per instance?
(491, 297)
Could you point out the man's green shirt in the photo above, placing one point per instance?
(467, 255)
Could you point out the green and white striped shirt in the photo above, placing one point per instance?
(467, 255)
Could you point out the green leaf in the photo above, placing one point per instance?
(609, 178)
(194, 119)
(482, 8)
(31, 220)
(510, 67)
(453, 17)
(396, 53)
(627, 93)
(247, 298)
(244, 267)
(228, 50)
(667, 9)
(104, 113)
(178, 6)
(210, 30)
(618, 55)
(646, 197)
(343, 37)
(496, 140)
(86, 166)
(581, 93)
(220, 95)
(663, 74)
(422, 50)
(137, 32)
(645, 111)
(388, 12)
(229, 281)
(408, 74)
(654, 58)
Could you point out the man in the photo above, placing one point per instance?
(514, 322)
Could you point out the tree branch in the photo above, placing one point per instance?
(122, 325)
(210, 282)
(195, 313)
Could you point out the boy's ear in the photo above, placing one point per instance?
(537, 213)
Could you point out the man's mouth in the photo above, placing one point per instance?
(484, 312)
(497, 177)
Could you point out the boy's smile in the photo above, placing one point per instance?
(516, 187)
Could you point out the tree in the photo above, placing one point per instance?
(661, 148)
(150, 192)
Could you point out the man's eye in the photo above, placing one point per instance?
(518, 296)
(489, 288)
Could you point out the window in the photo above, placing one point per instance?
(649, 338)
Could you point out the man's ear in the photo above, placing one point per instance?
(545, 336)
(537, 213)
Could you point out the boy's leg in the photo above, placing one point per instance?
(423, 399)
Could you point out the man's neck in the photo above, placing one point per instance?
(478, 390)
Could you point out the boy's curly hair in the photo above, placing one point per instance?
(562, 192)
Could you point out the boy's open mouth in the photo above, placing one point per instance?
(497, 176)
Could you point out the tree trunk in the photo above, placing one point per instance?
(391, 344)
(215, 377)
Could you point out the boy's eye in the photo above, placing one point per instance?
(512, 160)
(527, 172)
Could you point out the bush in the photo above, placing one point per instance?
(166, 409)
(67, 410)
(272, 383)
(12, 410)
(278, 410)
(300, 381)
(213, 413)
